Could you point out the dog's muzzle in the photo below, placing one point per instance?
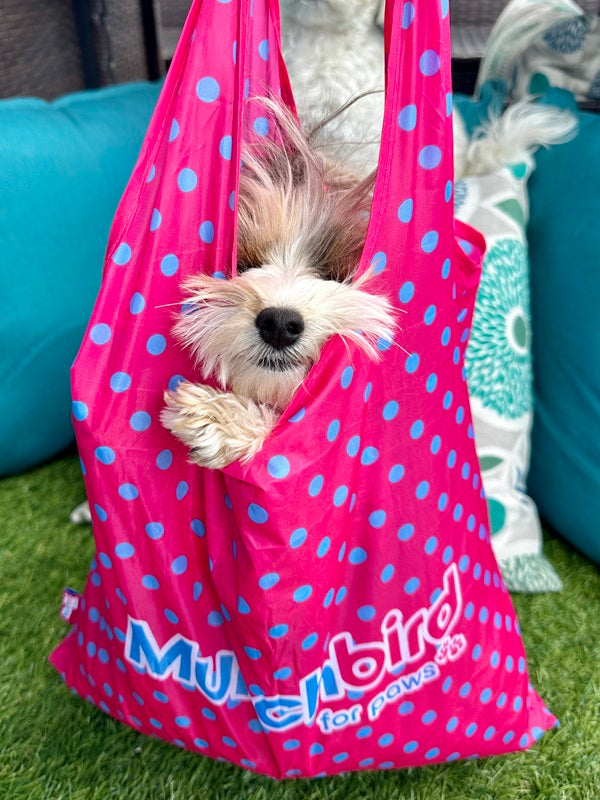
(279, 327)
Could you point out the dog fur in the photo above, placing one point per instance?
(302, 224)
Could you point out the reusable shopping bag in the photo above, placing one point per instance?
(334, 604)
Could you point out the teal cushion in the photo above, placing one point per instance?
(564, 240)
(63, 167)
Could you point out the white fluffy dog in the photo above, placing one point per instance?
(333, 50)
(301, 230)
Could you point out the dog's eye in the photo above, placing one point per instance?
(244, 266)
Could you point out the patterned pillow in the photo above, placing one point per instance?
(499, 369)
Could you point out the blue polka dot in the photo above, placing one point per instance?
(298, 415)
(174, 382)
(422, 490)
(366, 613)
(181, 490)
(406, 531)
(154, 530)
(347, 376)
(357, 555)
(429, 315)
(302, 593)
(207, 89)
(150, 582)
(156, 344)
(215, 619)
(316, 485)
(106, 455)
(120, 382)
(124, 550)
(169, 265)
(122, 254)
(340, 496)
(80, 410)
(396, 473)
(310, 641)
(431, 545)
(407, 118)
(187, 180)
(407, 292)
(298, 537)
(369, 456)
(128, 491)
(324, 546)
(431, 384)
(390, 410)
(353, 446)
(333, 430)
(174, 130)
(411, 585)
(164, 459)
(430, 241)
(225, 147)
(446, 268)
(411, 364)
(207, 232)
(342, 592)
(263, 49)
(387, 573)
(408, 15)
(417, 428)
(378, 263)
(102, 515)
(410, 747)
(268, 580)
(242, 605)
(137, 303)
(430, 157)
(278, 631)
(405, 210)
(257, 514)
(377, 518)
(179, 565)
(261, 126)
(100, 334)
(429, 63)
(278, 467)
(155, 220)
(140, 421)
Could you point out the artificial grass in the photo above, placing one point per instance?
(55, 746)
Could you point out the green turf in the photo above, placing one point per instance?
(54, 745)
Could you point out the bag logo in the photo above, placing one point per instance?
(408, 656)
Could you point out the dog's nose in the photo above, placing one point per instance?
(279, 327)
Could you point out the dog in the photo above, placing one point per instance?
(334, 53)
(302, 223)
(333, 50)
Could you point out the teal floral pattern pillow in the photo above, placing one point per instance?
(499, 369)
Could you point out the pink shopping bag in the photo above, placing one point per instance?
(334, 604)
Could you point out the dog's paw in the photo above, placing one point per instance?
(217, 427)
(81, 514)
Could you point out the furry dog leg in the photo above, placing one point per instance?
(218, 427)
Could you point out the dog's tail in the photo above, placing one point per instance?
(522, 128)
